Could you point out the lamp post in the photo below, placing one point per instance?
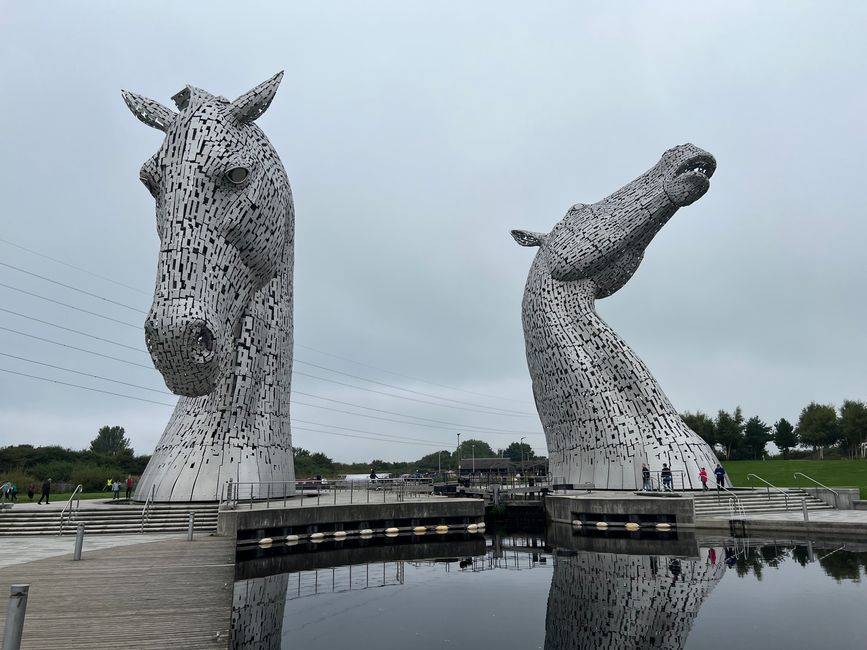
(474, 459)
(459, 457)
(522, 455)
(439, 463)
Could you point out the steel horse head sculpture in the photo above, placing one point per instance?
(603, 413)
(220, 326)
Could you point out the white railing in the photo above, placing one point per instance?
(146, 510)
(313, 493)
(737, 506)
(70, 510)
(770, 487)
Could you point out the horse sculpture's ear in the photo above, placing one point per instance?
(252, 104)
(148, 111)
(527, 238)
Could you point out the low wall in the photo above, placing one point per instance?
(259, 523)
(844, 501)
(620, 509)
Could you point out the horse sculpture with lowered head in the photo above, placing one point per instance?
(220, 326)
(603, 413)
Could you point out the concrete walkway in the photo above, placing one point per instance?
(20, 550)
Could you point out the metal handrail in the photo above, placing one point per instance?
(734, 496)
(736, 507)
(73, 511)
(146, 510)
(771, 485)
(357, 490)
(809, 478)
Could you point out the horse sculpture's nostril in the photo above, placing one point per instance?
(202, 342)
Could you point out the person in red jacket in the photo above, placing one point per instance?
(129, 485)
(703, 476)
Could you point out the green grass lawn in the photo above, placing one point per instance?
(833, 473)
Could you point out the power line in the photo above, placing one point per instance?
(72, 347)
(415, 392)
(404, 397)
(398, 374)
(63, 304)
(85, 374)
(452, 425)
(72, 266)
(69, 329)
(68, 286)
(348, 435)
(375, 433)
(95, 390)
(336, 356)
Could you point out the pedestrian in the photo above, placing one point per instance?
(46, 491)
(645, 478)
(115, 490)
(666, 478)
(720, 474)
(4, 490)
(128, 485)
(108, 484)
(703, 476)
(372, 474)
(31, 490)
(14, 492)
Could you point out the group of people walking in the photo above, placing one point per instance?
(667, 481)
(9, 491)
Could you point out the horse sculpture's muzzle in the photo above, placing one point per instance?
(184, 342)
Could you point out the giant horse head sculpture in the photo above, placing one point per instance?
(603, 413)
(220, 326)
(224, 217)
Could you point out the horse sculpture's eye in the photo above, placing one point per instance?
(237, 175)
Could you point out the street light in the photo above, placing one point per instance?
(439, 464)
(459, 457)
(474, 459)
(522, 455)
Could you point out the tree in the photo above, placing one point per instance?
(784, 436)
(518, 451)
(435, 461)
(702, 424)
(111, 442)
(818, 426)
(853, 425)
(729, 431)
(757, 435)
(477, 448)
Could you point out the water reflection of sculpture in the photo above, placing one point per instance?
(220, 326)
(602, 411)
(607, 601)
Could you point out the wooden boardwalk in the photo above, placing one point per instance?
(162, 594)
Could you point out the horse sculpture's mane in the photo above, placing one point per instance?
(220, 327)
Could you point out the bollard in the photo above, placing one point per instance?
(190, 527)
(804, 507)
(79, 542)
(15, 617)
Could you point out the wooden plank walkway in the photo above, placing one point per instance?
(161, 594)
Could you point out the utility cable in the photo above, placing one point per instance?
(69, 329)
(69, 286)
(72, 266)
(63, 304)
(72, 347)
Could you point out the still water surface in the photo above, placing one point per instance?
(554, 589)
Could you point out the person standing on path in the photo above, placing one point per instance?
(645, 477)
(31, 490)
(115, 490)
(46, 491)
(702, 475)
(128, 485)
(720, 474)
(666, 477)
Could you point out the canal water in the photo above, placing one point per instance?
(555, 589)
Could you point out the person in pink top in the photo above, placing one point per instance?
(703, 476)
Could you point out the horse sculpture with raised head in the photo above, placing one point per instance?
(220, 326)
(603, 413)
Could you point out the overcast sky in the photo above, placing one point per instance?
(415, 135)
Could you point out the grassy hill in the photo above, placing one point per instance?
(833, 473)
